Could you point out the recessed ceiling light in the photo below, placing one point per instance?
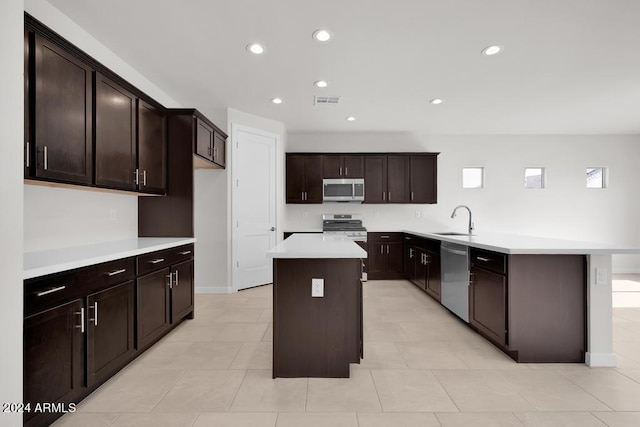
(322, 35)
(321, 83)
(350, 119)
(276, 100)
(492, 50)
(255, 48)
(436, 101)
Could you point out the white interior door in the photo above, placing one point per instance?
(254, 206)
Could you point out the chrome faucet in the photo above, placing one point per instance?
(453, 215)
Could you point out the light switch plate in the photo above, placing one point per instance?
(317, 288)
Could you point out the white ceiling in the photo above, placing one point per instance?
(569, 66)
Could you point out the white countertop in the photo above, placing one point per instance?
(302, 245)
(519, 244)
(41, 263)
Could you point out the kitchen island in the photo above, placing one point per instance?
(555, 295)
(317, 306)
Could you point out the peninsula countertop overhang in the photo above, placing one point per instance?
(302, 246)
(513, 244)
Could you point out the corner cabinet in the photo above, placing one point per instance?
(152, 149)
(209, 143)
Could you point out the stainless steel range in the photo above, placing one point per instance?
(349, 225)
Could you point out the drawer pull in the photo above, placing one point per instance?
(384, 237)
(155, 261)
(184, 253)
(50, 291)
(116, 272)
(481, 258)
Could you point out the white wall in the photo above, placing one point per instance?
(56, 217)
(11, 222)
(214, 199)
(565, 209)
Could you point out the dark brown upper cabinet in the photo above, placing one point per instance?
(423, 178)
(209, 143)
(28, 161)
(61, 115)
(115, 136)
(152, 153)
(343, 166)
(397, 178)
(304, 178)
(375, 179)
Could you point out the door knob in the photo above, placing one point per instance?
(273, 229)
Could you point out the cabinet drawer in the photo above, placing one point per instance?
(107, 274)
(160, 259)
(44, 293)
(386, 237)
(488, 260)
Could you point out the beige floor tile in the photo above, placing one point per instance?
(237, 419)
(202, 391)
(619, 419)
(241, 315)
(623, 362)
(196, 355)
(257, 291)
(480, 354)
(380, 312)
(260, 392)
(629, 314)
(156, 420)
(207, 315)
(397, 419)
(79, 419)
(628, 349)
(429, 355)
(559, 419)
(383, 332)
(440, 331)
(135, 390)
(240, 332)
(481, 391)
(258, 302)
(382, 355)
(254, 355)
(266, 316)
(191, 331)
(310, 419)
(627, 331)
(411, 391)
(268, 334)
(480, 419)
(634, 374)
(357, 393)
(612, 388)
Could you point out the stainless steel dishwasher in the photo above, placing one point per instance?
(455, 279)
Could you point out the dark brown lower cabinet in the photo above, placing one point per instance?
(488, 304)
(154, 308)
(422, 264)
(110, 331)
(53, 358)
(385, 256)
(182, 291)
(433, 283)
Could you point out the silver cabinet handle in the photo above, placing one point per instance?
(46, 160)
(170, 277)
(209, 150)
(389, 197)
(346, 171)
(95, 314)
(381, 249)
(136, 177)
(184, 253)
(410, 252)
(340, 170)
(384, 196)
(215, 152)
(481, 258)
(155, 261)
(116, 272)
(387, 248)
(175, 283)
(412, 195)
(28, 152)
(81, 326)
(144, 177)
(384, 237)
(50, 291)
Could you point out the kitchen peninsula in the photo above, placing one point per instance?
(552, 297)
(317, 306)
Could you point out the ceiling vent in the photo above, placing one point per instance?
(326, 100)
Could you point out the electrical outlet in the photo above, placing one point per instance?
(317, 288)
(601, 276)
(417, 214)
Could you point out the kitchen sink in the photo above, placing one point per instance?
(452, 233)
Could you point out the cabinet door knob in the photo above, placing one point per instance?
(273, 229)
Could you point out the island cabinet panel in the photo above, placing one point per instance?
(53, 359)
(110, 331)
(547, 308)
(62, 108)
(152, 156)
(115, 135)
(316, 336)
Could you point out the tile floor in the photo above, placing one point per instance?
(422, 367)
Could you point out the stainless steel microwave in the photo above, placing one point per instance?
(343, 190)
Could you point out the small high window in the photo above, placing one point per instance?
(596, 177)
(472, 177)
(534, 178)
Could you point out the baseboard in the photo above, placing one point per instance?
(212, 290)
(600, 360)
